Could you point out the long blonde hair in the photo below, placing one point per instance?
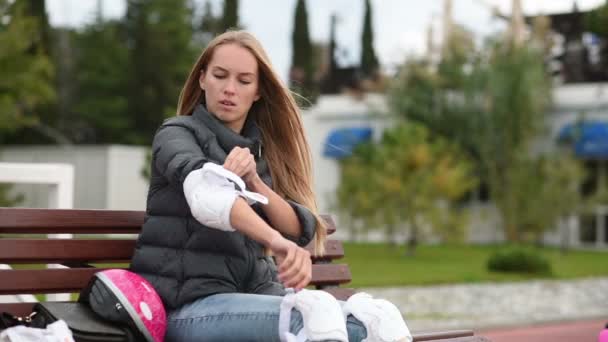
(276, 113)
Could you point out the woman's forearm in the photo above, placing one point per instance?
(281, 215)
(244, 219)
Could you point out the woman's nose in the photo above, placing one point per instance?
(230, 87)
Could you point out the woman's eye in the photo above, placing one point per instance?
(245, 81)
(219, 76)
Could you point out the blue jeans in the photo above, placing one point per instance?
(238, 317)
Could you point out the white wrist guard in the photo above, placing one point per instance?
(321, 315)
(211, 192)
(381, 319)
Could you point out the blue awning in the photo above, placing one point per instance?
(341, 142)
(589, 139)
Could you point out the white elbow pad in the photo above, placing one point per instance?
(211, 192)
(381, 318)
(321, 315)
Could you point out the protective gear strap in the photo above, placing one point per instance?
(321, 316)
(210, 169)
(210, 193)
(381, 319)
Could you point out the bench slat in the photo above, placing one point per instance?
(51, 221)
(43, 251)
(439, 338)
(73, 279)
(330, 274)
(15, 251)
(45, 280)
(333, 250)
(341, 293)
(443, 335)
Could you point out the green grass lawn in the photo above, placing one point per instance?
(375, 264)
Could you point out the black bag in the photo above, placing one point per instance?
(7, 320)
(85, 325)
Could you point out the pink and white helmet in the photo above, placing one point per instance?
(128, 299)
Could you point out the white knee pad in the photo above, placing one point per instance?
(211, 192)
(321, 315)
(381, 319)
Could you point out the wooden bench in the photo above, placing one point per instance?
(23, 241)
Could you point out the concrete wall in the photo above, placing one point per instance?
(126, 188)
(105, 176)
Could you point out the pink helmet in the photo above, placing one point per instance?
(603, 337)
(128, 299)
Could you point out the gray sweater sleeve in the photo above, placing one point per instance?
(176, 153)
(307, 221)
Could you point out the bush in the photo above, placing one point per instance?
(519, 260)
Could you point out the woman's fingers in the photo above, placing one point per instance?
(299, 279)
(295, 273)
(294, 263)
(287, 261)
(240, 161)
(306, 276)
(246, 166)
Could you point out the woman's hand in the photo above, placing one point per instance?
(241, 162)
(295, 266)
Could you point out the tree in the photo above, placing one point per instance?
(158, 35)
(329, 83)
(36, 9)
(209, 26)
(230, 18)
(99, 112)
(407, 181)
(302, 61)
(369, 61)
(26, 80)
(516, 97)
(492, 105)
(43, 130)
(596, 20)
(549, 188)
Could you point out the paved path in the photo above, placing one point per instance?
(496, 305)
(579, 331)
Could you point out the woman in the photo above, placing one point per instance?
(213, 273)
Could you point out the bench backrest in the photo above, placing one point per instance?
(102, 239)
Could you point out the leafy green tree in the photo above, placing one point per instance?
(302, 61)
(36, 9)
(549, 188)
(158, 35)
(369, 61)
(230, 18)
(100, 109)
(596, 21)
(516, 96)
(492, 104)
(407, 181)
(8, 200)
(26, 80)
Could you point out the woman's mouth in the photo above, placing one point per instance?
(227, 103)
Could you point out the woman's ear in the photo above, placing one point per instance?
(257, 97)
(201, 80)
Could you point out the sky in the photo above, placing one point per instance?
(399, 25)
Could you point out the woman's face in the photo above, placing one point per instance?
(230, 83)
